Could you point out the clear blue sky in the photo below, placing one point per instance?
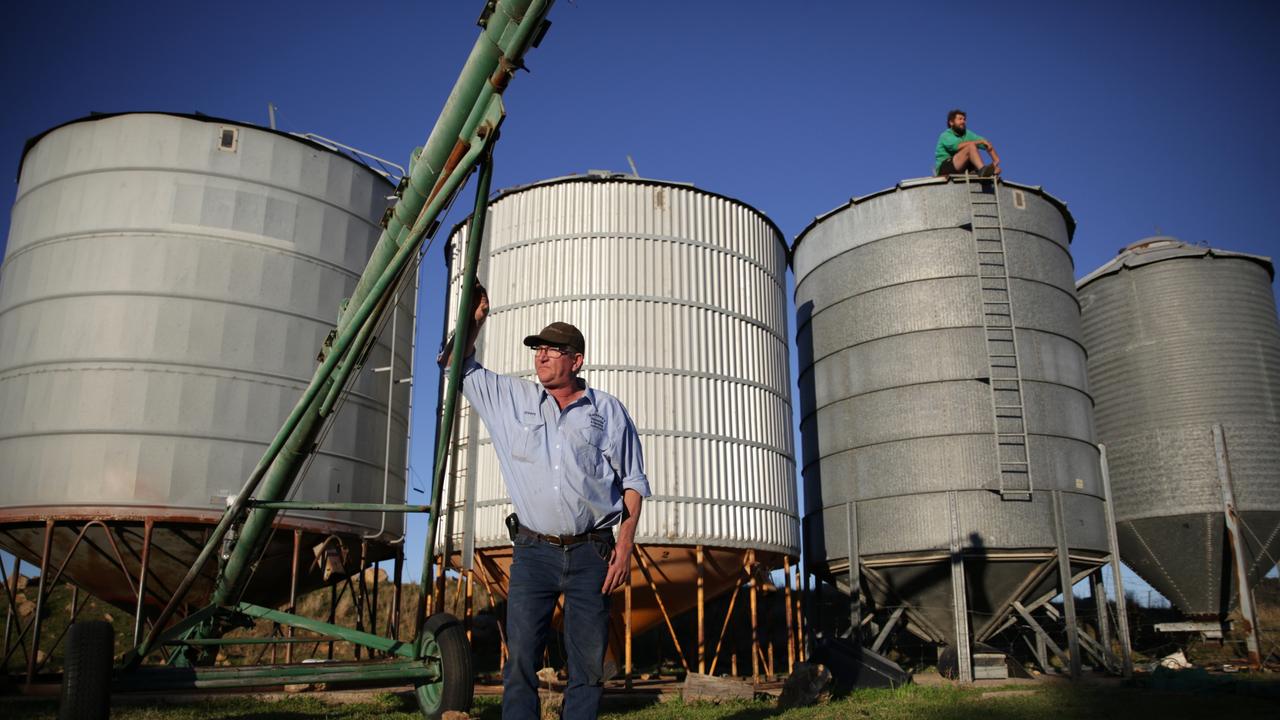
(1139, 119)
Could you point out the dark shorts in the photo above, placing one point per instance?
(947, 168)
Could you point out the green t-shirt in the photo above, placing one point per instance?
(949, 143)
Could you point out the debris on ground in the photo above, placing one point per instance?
(709, 688)
(809, 684)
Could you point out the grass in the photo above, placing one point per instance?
(1040, 702)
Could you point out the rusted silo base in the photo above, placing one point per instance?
(667, 581)
(112, 556)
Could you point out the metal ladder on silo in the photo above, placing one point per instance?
(987, 226)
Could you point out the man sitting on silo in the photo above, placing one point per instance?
(957, 150)
(572, 462)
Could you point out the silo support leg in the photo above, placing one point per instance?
(1038, 651)
(702, 636)
(626, 620)
(959, 599)
(10, 591)
(755, 630)
(40, 591)
(855, 594)
(1041, 635)
(715, 652)
(791, 637)
(888, 628)
(1113, 545)
(662, 607)
(139, 612)
(1236, 542)
(1065, 581)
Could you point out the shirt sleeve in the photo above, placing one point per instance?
(626, 456)
(949, 142)
(487, 391)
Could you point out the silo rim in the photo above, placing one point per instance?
(1157, 249)
(93, 116)
(604, 176)
(920, 182)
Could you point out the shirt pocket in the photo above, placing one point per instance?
(588, 447)
(529, 438)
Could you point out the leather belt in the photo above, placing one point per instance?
(567, 540)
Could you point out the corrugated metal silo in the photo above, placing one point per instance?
(681, 296)
(944, 405)
(167, 281)
(1182, 337)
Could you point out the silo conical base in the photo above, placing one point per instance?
(1187, 559)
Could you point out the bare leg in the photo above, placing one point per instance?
(967, 156)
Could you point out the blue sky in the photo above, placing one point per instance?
(1143, 121)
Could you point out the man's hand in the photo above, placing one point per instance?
(620, 560)
(480, 313)
(619, 567)
(481, 305)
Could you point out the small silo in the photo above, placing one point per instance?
(946, 423)
(1181, 338)
(167, 282)
(680, 294)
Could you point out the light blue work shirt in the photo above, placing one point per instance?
(566, 469)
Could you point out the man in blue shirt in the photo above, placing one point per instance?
(572, 462)
(957, 150)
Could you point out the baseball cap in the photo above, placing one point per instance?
(560, 334)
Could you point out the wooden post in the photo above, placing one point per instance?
(493, 602)
(702, 638)
(293, 593)
(466, 610)
(397, 579)
(626, 622)
(715, 653)
(333, 611)
(791, 638)
(373, 612)
(755, 631)
(662, 607)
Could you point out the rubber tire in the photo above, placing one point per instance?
(86, 674)
(456, 688)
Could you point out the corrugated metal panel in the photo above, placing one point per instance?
(161, 302)
(681, 297)
(1181, 337)
(896, 391)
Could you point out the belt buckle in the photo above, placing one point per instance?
(557, 540)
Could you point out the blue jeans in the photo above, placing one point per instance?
(540, 572)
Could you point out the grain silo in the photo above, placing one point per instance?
(166, 282)
(946, 424)
(1181, 338)
(680, 293)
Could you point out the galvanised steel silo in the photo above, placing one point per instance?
(166, 283)
(680, 294)
(946, 424)
(1181, 338)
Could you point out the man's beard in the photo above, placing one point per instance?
(958, 130)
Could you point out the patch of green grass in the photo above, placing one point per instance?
(1039, 702)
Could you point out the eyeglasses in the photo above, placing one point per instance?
(552, 351)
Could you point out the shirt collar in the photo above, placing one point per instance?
(589, 396)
